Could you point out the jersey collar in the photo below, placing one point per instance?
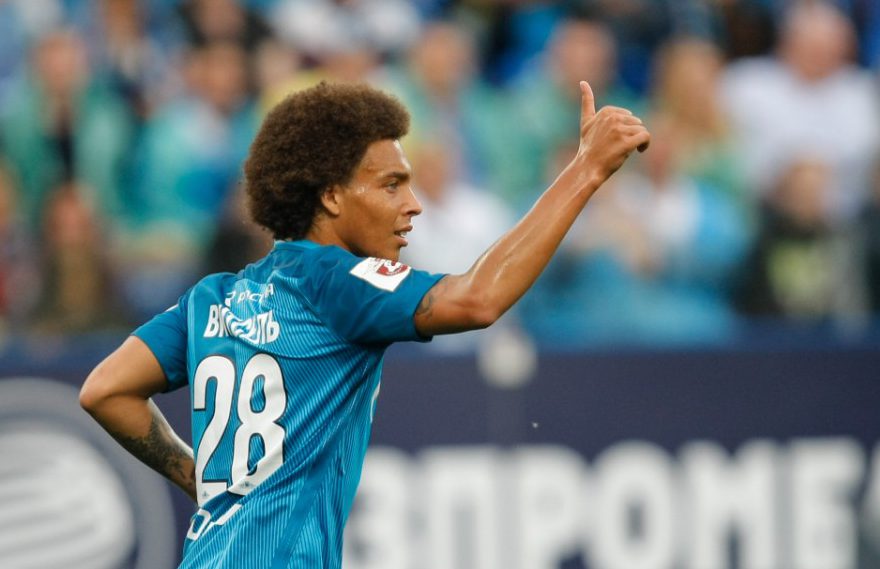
(298, 244)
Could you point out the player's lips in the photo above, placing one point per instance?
(402, 233)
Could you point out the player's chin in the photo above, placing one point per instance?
(392, 255)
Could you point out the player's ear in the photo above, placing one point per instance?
(331, 198)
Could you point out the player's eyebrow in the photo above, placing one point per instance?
(399, 175)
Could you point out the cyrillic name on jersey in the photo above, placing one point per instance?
(258, 329)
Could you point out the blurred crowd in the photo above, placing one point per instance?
(124, 123)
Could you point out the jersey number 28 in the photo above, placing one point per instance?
(260, 423)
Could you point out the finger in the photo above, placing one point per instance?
(631, 120)
(642, 140)
(588, 102)
(613, 109)
(631, 130)
(635, 138)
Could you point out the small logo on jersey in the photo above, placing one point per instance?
(381, 273)
(390, 268)
(249, 295)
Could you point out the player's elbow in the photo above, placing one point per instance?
(482, 312)
(95, 392)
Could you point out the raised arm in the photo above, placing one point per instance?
(117, 394)
(508, 268)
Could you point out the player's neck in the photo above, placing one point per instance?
(323, 233)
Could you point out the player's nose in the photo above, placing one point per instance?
(413, 206)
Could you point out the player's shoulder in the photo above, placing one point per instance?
(214, 280)
(316, 269)
(306, 259)
(210, 287)
(324, 268)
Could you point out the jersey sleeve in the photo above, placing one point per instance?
(368, 300)
(165, 335)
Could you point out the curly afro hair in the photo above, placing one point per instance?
(312, 140)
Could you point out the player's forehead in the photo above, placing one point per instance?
(384, 158)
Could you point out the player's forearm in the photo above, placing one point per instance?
(508, 268)
(117, 394)
(502, 275)
(139, 426)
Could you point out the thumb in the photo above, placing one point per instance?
(588, 102)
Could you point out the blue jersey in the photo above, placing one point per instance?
(283, 363)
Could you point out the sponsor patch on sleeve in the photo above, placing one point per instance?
(381, 273)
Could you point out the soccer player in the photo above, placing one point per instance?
(283, 359)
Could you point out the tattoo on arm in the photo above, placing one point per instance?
(162, 451)
(427, 304)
